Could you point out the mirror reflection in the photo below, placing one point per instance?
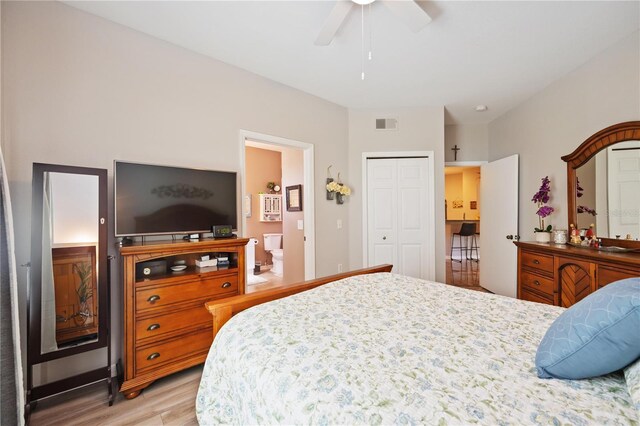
(608, 192)
(69, 299)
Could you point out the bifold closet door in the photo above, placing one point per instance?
(397, 214)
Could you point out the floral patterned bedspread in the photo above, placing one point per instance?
(388, 349)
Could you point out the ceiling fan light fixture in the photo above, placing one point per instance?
(481, 108)
(363, 2)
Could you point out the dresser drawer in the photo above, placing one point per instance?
(609, 274)
(163, 295)
(533, 297)
(537, 283)
(160, 325)
(154, 356)
(537, 261)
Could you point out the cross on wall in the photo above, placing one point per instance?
(455, 150)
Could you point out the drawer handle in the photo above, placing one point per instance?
(226, 284)
(536, 282)
(153, 356)
(536, 262)
(153, 298)
(153, 327)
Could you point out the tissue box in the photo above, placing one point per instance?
(206, 263)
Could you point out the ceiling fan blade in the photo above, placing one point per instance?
(410, 12)
(333, 22)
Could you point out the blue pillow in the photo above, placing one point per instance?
(596, 336)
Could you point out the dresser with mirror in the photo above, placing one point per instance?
(603, 190)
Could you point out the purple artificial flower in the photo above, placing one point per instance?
(542, 196)
(585, 209)
(544, 211)
(579, 189)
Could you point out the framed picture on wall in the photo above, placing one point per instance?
(474, 205)
(294, 198)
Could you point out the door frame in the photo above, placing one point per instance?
(431, 187)
(465, 163)
(308, 197)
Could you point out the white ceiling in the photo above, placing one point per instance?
(493, 53)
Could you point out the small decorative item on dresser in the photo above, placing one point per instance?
(575, 235)
(560, 236)
(541, 198)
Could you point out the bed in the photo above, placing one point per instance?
(389, 349)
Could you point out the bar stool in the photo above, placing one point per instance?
(466, 230)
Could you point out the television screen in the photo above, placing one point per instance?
(152, 200)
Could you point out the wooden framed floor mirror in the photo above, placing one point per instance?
(68, 304)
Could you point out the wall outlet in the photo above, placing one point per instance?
(339, 267)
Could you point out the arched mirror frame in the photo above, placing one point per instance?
(620, 132)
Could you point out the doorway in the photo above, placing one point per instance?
(462, 224)
(398, 212)
(277, 210)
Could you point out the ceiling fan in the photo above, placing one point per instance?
(407, 10)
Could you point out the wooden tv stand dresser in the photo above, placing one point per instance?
(166, 325)
(563, 275)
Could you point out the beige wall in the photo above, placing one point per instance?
(262, 166)
(420, 129)
(602, 92)
(463, 186)
(80, 90)
(472, 139)
(453, 192)
(293, 174)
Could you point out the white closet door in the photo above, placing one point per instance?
(398, 214)
(382, 218)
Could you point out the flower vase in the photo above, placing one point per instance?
(543, 237)
(330, 194)
(339, 198)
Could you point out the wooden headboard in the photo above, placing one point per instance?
(223, 309)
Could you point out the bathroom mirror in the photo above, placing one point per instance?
(603, 178)
(68, 285)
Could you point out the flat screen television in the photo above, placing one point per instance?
(154, 200)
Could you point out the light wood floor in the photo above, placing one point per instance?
(168, 401)
(465, 274)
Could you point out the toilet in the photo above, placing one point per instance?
(273, 244)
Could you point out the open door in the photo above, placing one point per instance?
(499, 215)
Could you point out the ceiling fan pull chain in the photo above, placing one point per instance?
(362, 39)
(370, 33)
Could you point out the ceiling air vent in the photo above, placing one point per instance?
(386, 124)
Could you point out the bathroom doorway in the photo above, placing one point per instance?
(277, 210)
